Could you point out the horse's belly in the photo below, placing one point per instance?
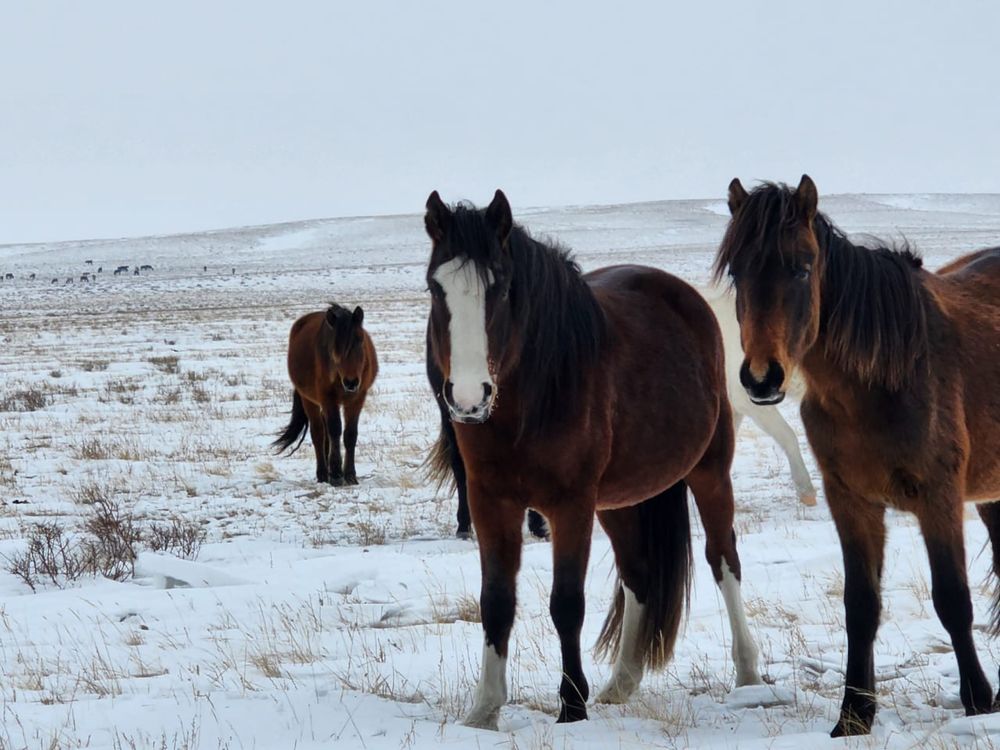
(637, 474)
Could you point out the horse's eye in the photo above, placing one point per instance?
(802, 273)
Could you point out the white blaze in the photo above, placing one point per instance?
(465, 296)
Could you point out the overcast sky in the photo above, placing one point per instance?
(128, 118)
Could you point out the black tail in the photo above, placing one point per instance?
(296, 430)
(665, 546)
(438, 463)
(990, 513)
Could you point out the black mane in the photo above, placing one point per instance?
(873, 319)
(561, 326)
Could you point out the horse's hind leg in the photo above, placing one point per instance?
(652, 545)
(990, 513)
(769, 419)
(352, 414)
(713, 494)
(537, 525)
(317, 431)
(498, 526)
(941, 526)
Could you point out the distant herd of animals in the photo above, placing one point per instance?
(91, 276)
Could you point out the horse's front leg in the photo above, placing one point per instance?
(333, 430)
(352, 414)
(861, 528)
(498, 527)
(570, 528)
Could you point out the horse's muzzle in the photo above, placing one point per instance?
(351, 386)
(766, 391)
(465, 414)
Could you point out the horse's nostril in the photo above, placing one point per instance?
(487, 391)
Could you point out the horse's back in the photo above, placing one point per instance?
(628, 283)
(982, 263)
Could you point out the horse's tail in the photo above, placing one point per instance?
(665, 546)
(438, 463)
(296, 430)
(990, 513)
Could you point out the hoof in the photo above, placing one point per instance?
(482, 719)
(336, 481)
(852, 725)
(849, 730)
(350, 479)
(808, 499)
(572, 713)
(464, 534)
(615, 693)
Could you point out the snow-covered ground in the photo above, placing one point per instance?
(322, 617)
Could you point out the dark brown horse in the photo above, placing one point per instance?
(902, 372)
(573, 394)
(332, 364)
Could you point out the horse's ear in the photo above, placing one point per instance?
(437, 218)
(806, 198)
(331, 317)
(358, 317)
(498, 214)
(737, 194)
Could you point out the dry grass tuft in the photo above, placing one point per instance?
(167, 364)
(30, 399)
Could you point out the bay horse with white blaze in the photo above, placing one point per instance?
(902, 373)
(572, 394)
(332, 365)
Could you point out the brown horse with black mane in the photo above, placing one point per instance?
(572, 394)
(902, 372)
(332, 364)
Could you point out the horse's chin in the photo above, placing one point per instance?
(470, 418)
(769, 400)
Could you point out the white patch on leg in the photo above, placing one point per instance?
(769, 419)
(465, 296)
(491, 693)
(744, 647)
(627, 672)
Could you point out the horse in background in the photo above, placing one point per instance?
(900, 408)
(766, 416)
(332, 365)
(579, 394)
